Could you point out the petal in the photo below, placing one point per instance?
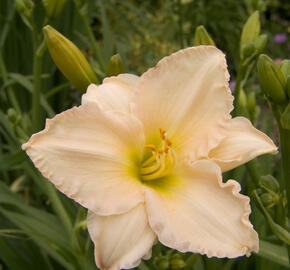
(199, 213)
(88, 154)
(121, 241)
(113, 94)
(242, 143)
(187, 95)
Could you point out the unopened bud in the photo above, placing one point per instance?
(13, 116)
(115, 66)
(53, 7)
(251, 101)
(271, 78)
(285, 67)
(69, 59)
(269, 183)
(177, 264)
(247, 50)
(251, 30)
(202, 37)
(25, 9)
(163, 265)
(260, 43)
(269, 200)
(285, 118)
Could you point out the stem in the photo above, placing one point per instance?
(10, 92)
(285, 149)
(93, 40)
(37, 71)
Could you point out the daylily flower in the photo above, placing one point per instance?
(146, 154)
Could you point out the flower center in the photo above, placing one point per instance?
(162, 160)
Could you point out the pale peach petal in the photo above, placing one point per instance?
(242, 143)
(87, 154)
(121, 241)
(114, 94)
(199, 213)
(187, 95)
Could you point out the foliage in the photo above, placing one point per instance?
(42, 229)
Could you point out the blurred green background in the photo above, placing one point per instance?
(39, 227)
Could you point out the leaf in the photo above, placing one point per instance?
(275, 253)
(9, 160)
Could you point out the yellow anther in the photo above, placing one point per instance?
(162, 133)
(152, 147)
(160, 150)
(168, 142)
(166, 149)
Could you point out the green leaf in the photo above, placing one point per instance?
(9, 160)
(275, 253)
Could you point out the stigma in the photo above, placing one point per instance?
(162, 160)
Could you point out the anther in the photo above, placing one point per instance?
(151, 147)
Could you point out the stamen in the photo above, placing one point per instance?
(162, 161)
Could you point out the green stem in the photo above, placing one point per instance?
(37, 71)
(285, 149)
(93, 40)
(10, 91)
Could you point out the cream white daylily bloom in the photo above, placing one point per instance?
(146, 154)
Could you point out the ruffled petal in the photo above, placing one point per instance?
(199, 213)
(242, 143)
(114, 93)
(121, 241)
(90, 155)
(189, 93)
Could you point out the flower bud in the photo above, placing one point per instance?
(202, 37)
(25, 9)
(285, 117)
(260, 43)
(269, 200)
(69, 59)
(13, 116)
(115, 66)
(53, 7)
(247, 50)
(177, 264)
(251, 101)
(251, 29)
(285, 67)
(271, 79)
(269, 183)
(163, 265)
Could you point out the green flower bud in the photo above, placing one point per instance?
(115, 66)
(163, 265)
(260, 43)
(285, 117)
(269, 183)
(13, 116)
(271, 79)
(69, 59)
(285, 67)
(177, 264)
(25, 9)
(251, 102)
(269, 200)
(53, 7)
(202, 37)
(247, 50)
(251, 29)
(288, 86)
